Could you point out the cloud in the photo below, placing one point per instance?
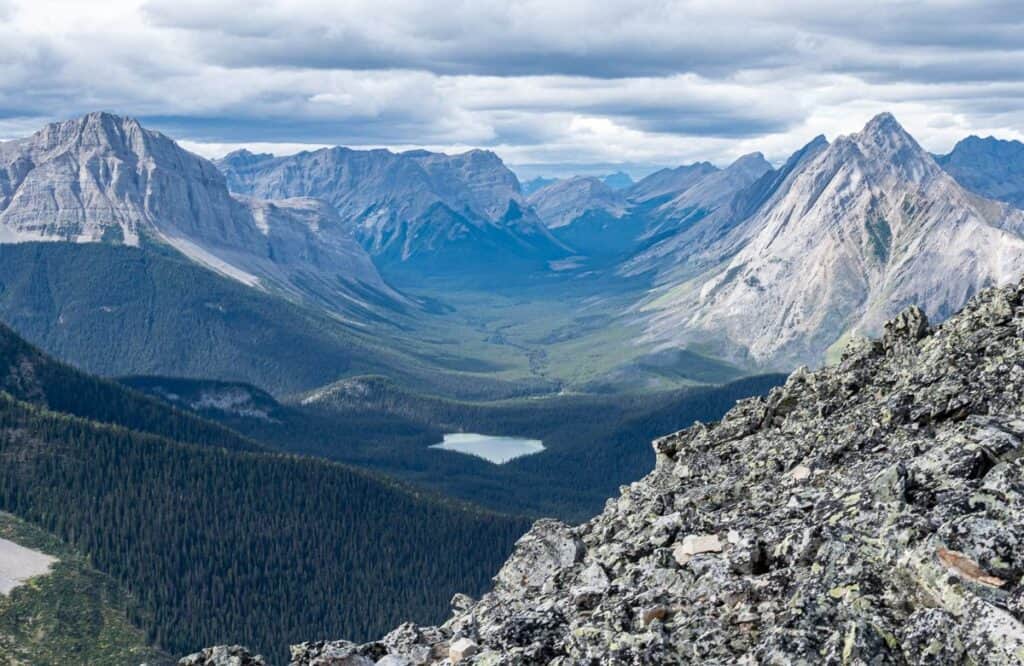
(573, 37)
(638, 82)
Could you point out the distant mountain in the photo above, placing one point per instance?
(990, 167)
(564, 201)
(699, 197)
(619, 180)
(669, 182)
(680, 245)
(442, 211)
(832, 245)
(534, 184)
(102, 178)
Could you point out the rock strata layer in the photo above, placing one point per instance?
(871, 512)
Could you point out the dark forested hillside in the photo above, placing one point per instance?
(593, 443)
(28, 374)
(115, 310)
(221, 546)
(215, 539)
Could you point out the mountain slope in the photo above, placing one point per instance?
(414, 207)
(857, 231)
(103, 178)
(28, 374)
(117, 310)
(668, 182)
(869, 513)
(72, 612)
(989, 167)
(565, 201)
(200, 534)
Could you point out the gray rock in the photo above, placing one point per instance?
(222, 655)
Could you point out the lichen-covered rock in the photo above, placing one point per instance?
(867, 513)
(222, 655)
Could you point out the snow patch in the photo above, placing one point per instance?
(18, 564)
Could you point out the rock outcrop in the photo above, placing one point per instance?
(871, 512)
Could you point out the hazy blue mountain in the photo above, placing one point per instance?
(991, 167)
(534, 184)
(699, 197)
(668, 182)
(102, 178)
(564, 201)
(845, 236)
(444, 212)
(619, 180)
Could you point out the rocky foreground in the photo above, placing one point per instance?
(868, 513)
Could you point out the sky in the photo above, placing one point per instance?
(552, 87)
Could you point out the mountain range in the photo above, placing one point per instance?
(103, 178)
(415, 206)
(846, 236)
(411, 249)
(282, 336)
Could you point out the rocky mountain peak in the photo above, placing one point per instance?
(841, 239)
(869, 512)
(565, 201)
(103, 178)
(991, 167)
(412, 206)
(751, 163)
(887, 145)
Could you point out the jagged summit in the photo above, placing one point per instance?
(832, 245)
(752, 162)
(870, 512)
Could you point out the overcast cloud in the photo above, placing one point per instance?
(571, 84)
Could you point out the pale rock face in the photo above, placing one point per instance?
(990, 167)
(853, 233)
(668, 182)
(565, 201)
(707, 194)
(400, 204)
(103, 178)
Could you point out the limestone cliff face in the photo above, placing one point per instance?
(868, 513)
(103, 178)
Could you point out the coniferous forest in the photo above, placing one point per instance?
(217, 540)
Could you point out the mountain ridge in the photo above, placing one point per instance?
(994, 168)
(866, 223)
(407, 205)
